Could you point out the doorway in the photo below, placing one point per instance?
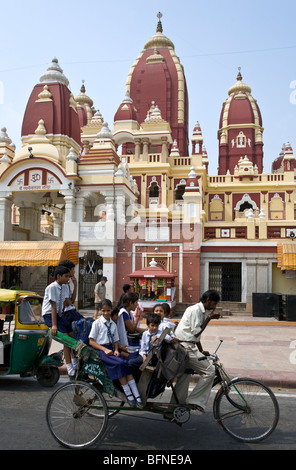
(90, 273)
(226, 279)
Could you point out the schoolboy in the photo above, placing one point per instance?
(53, 309)
(150, 335)
(69, 308)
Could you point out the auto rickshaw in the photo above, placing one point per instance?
(24, 338)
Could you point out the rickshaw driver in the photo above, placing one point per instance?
(193, 322)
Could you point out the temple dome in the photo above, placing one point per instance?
(126, 110)
(157, 75)
(52, 101)
(240, 129)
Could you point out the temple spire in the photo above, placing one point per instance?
(159, 24)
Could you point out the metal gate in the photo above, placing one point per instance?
(226, 279)
(90, 273)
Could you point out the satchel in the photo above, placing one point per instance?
(174, 360)
(81, 329)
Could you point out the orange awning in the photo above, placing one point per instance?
(286, 253)
(37, 253)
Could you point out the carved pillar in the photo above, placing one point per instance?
(5, 217)
(145, 149)
(137, 149)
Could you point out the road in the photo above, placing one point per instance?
(23, 425)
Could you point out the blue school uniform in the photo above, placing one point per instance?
(105, 333)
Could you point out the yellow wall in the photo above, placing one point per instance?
(280, 284)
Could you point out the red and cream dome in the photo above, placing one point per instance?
(126, 110)
(240, 129)
(157, 76)
(52, 101)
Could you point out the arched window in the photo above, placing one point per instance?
(154, 190)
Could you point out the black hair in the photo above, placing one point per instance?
(153, 318)
(60, 270)
(212, 295)
(166, 308)
(126, 287)
(107, 303)
(115, 311)
(129, 297)
(66, 262)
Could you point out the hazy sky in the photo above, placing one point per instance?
(98, 41)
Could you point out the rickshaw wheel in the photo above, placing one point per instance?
(77, 415)
(47, 376)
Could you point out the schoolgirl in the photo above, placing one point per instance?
(104, 337)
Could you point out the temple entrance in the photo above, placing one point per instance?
(226, 279)
(90, 273)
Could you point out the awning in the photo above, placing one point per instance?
(286, 253)
(37, 253)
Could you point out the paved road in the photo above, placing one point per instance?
(23, 426)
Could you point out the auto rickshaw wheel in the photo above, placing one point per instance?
(47, 376)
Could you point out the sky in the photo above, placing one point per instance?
(98, 41)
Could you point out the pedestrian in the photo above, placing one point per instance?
(53, 310)
(188, 332)
(104, 337)
(100, 295)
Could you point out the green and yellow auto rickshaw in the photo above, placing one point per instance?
(24, 338)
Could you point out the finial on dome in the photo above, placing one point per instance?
(159, 24)
(82, 89)
(54, 73)
(239, 75)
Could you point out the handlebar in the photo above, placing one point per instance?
(213, 357)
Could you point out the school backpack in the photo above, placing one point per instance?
(81, 329)
(173, 360)
(172, 363)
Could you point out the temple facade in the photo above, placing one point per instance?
(114, 198)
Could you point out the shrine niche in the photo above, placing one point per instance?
(153, 284)
(276, 207)
(216, 208)
(241, 140)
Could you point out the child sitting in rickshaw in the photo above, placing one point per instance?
(104, 337)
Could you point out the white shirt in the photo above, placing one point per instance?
(99, 331)
(57, 293)
(166, 323)
(190, 323)
(69, 295)
(145, 342)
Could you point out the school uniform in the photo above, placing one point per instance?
(146, 345)
(58, 293)
(166, 323)
(70, 311)
(105, 333)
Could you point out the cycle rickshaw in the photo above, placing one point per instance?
(78, 412)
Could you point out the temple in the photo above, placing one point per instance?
(114, 197)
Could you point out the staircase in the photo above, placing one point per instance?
(225, 308)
